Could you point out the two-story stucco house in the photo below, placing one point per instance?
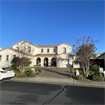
(43, 55)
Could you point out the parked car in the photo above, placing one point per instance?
(6, 72)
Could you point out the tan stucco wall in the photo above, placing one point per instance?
(45, 50)
(60, 49)
(34, 50)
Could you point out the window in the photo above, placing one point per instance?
(7, 57)
(64, 50)
(47, 50)
(17, 48)
(41, 50)
(29, 49)
(0, 57)
(54, 50)
(14, 56)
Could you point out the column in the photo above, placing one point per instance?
(42, 62)
(49, 61)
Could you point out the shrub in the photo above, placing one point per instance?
(80, 77)
(94, 69)
(28, 72)
(73, 72)
(94, 73)
(19, 74)
(97, 78)
(39, 71)
(14, 67)
(101, 75)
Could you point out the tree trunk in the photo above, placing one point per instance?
(83, 69)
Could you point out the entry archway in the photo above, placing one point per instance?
(53, 62)
(45, 61)
(38, 61)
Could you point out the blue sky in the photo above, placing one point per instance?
(48, 22)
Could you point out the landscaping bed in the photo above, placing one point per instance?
(94, 74)
(28, 72)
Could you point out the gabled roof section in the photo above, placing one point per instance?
(26, 42)
(100, 55)
(53, 45)
(16, 51)
(64, 43)
(47, 46)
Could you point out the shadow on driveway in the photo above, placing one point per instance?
(57, 73)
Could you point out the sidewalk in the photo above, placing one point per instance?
(59, 81)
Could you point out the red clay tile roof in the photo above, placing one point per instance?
(16, 51)
(47, 46)
(53, 45)
(43, 45)
(64, 43)
(45, 55)
(52, 54)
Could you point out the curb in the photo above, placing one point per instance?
(58, 81)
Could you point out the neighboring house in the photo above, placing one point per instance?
(43, 55)
(102, 57)
(93, 56)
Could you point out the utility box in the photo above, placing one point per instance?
(101, 70)
(77, 73)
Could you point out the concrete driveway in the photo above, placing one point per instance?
(51, 72)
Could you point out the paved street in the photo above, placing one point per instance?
(22, 93)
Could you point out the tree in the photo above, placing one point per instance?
(94, 56)
(21, 62)
(83, 49)
(23, 56)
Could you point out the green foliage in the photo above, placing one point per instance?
(94, 70)
(80, 77)
(96, 78)
(19, 74)
(100, 75)
(28, 72)
(14, 67)
(94, 56)
(94, 73)
(73, 71)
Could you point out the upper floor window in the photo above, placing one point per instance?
(14, 56)
(54, 50)
(64, 50)
(47, 50)
(7, 57)
(0, 57)
(29, 49)
(17, 48)
(41, 50)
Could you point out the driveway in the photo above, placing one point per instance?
(51, 72)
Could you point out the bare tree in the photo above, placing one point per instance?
(23, 55)
(83, 49)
